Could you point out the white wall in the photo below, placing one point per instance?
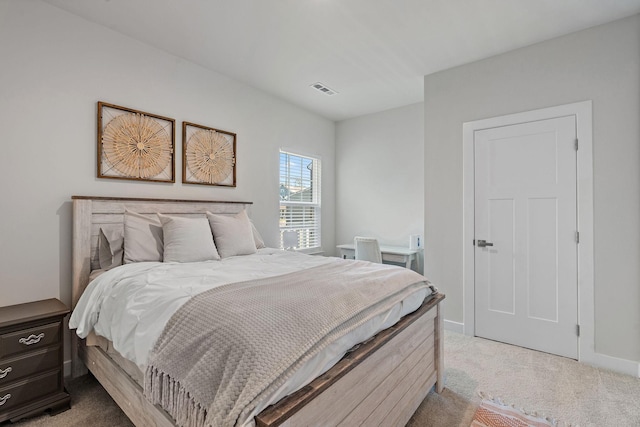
(379, 165)
(600, 64)
(54, 68)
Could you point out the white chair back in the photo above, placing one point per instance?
(290, 239)
(367, 249)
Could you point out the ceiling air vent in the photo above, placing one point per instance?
(324, 89)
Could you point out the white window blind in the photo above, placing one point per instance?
(299, 202)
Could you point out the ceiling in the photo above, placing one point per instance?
(374, 53)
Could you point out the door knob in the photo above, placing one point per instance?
(483, 243)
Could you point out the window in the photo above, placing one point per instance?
(299, 202)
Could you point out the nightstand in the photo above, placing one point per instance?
(31, 358)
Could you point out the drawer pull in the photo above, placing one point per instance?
(31, 339)
(4, 399)
(5, 372)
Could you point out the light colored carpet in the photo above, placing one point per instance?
(565, 389)
(91, 406)
(555, 386)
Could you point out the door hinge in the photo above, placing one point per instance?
(578, 330)
(576, 144)
(474, 242)
(577, 237)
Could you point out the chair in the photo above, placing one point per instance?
(367, 249)
(290, 240)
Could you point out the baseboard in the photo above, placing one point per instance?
(623, 366)
(450, 325)
(67, 368)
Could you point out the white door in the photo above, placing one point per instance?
(526, 287)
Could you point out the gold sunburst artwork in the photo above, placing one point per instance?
(209, 156)
(135, 145)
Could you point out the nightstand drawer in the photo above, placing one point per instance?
(29, 389)
(25, 365)
(29, 339)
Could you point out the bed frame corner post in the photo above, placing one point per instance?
(439, 348)
(81, 250)
(81, 267)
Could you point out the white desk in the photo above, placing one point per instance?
(395, 254)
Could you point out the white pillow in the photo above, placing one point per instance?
(187, 239)
(257, 238)
(233, 234)
(110, 248)
(142, 238)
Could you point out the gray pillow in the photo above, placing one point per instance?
(187, 239)
(233, 234)
(142, 238)
(110, 248)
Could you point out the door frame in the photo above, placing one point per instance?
(586, 302)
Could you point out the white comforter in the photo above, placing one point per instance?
(131, 304)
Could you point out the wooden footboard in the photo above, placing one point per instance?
(382, 382)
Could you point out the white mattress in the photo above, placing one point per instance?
(130, 305)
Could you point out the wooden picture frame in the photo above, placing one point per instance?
(208, 156)
(135, 145)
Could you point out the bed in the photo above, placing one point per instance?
(378, 382)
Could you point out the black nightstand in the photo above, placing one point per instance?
(31, 359)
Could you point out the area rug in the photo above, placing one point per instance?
(493, 412)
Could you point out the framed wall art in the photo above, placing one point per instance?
(208, 156)
(135, 145)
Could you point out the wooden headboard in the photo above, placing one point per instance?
(92, 213)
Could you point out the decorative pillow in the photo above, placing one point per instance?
(257, 238)
(187, 239)
(233, 234)
(110, 248)
(142, 238)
